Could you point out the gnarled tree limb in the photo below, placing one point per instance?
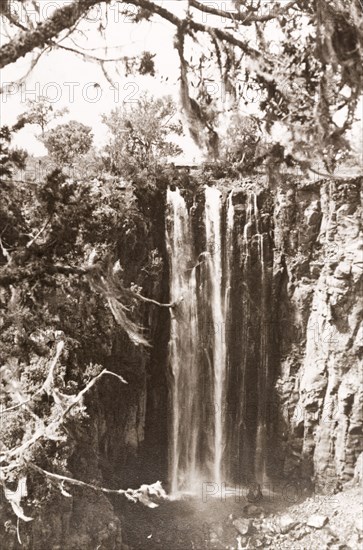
(134, 495)
(47, 432)
(27, 40)
(246, 17)
(66, 16)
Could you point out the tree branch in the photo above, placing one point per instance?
(27, 40)
(9, 276)
(5, 252)
(151, 301)
(41, 230)
(49, 431)
(86, 56)
(189, 25)
(134, 495)
(246, 18)
(65, 17)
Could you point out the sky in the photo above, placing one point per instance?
(70, 81)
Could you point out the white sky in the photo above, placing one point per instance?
(69, 80)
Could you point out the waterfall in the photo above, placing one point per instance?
(228, 257)
(213, 207)
(263, 371)
(218, 348)
(185, 422)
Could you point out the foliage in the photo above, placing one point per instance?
(139, 134)
(10, 158)
(64, 241)
(66, 143)
(241, 142)
(302, 58)
(60, 282)
(40, 112)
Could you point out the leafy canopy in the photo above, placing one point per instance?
(67, 142)
(140, 134)
(40, 111)
(304, 57)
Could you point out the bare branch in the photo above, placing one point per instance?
(151, 301)
(28, 40)
(246, 18)
(41, 230)
(90, 384)
(14, 21)
(107, 286)
(189, 25)
(106, 74)
(48, 432)
(47, 383)
(134, 495)
(67, 16)
(87, 56)
(3, 89)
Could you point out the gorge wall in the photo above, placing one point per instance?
(313, 338)
(291, 333)
(318, 286)
(313, 329)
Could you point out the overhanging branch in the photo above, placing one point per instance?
(67, 16)
(27, 40)
(135, 495)
(245, 18)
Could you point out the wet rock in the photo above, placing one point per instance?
(317, 521)
(254, 493)
(242, 525)
(252, 510)
(286, 523)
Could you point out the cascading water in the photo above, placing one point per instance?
(260, 459)
(183, 348)
(213, 207)
(218, 350)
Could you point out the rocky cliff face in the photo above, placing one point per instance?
(315, 345)
(318, 276)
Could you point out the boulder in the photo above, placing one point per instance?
(286, 523)
(242, 525)
(317, 521)
(252, 510)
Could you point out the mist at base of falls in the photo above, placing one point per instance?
(219, 365)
